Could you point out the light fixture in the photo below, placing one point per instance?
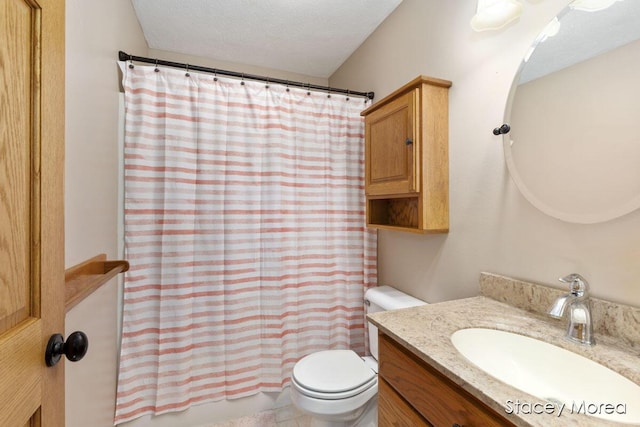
(591, 5)
(495, 14)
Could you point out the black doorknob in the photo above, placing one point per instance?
(74, 349)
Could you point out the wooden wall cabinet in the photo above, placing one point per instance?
(411, 392)
(407, 158)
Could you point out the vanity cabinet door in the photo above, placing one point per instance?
(439, 400)
(391, 148)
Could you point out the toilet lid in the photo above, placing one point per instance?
(332, 371)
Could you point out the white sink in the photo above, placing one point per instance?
(551, 374)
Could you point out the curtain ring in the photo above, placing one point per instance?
(242, 81)
(215, 75)
(308, 88)
(156, 69)
(288, 86)
(267, 85)
(328, 92)
(131, 62)
(348, 93)
(187, 73)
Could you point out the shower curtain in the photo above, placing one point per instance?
(245, 230)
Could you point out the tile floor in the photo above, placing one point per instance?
(286, 416)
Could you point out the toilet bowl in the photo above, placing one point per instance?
(338, 387)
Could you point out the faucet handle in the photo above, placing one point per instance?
(578, 285)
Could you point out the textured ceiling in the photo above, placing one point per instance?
(301, 36)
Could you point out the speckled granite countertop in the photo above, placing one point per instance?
(426, 331)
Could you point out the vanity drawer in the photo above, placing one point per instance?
(435, 397)
(393, 410)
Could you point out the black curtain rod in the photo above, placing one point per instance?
(122, 56)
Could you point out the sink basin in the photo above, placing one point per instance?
(570, 382)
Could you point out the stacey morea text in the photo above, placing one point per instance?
(557, 408)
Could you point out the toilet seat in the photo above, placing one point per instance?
(332, 375)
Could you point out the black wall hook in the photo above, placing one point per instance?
(502, 130)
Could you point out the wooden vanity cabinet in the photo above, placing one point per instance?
(412, 393)
(393, 410)
(407, 160)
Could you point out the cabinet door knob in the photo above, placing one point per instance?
(74, 349)
(408, 141)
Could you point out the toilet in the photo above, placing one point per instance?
(338, 387)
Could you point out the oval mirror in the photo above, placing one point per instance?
(574, 110)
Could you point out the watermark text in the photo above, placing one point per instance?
(557, 408)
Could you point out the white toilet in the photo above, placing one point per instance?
(338, 387)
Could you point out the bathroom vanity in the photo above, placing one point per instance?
(425, 380)
(413, 391)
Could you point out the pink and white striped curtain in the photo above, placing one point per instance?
(245, 230)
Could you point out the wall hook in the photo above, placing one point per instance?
(502, 130)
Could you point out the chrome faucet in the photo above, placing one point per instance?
(577, 300)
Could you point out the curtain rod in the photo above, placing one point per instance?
(122, 56)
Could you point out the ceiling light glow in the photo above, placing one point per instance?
(495, 14)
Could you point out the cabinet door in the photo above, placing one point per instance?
(391, 148)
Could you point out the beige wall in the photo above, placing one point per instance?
(493, 228)
(233, 66)
(95, 31)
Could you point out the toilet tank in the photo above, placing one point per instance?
(383, 298)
